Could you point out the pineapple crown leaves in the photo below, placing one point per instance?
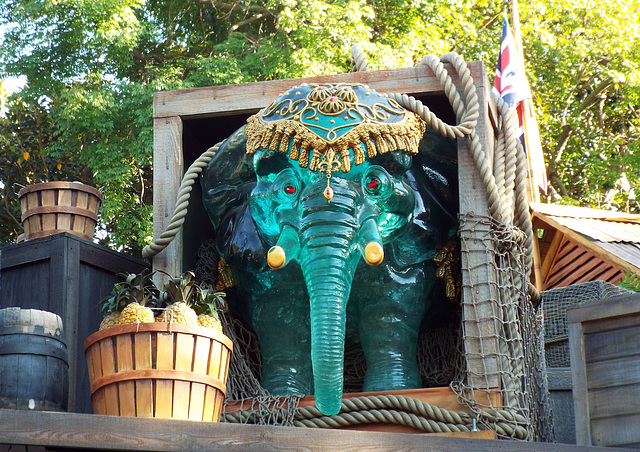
(181, 288)
(134, 287)
(210, 302)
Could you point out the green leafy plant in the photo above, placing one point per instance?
(138, 288)
(630, 281)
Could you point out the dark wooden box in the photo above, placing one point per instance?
(604, 338)
(66, 275)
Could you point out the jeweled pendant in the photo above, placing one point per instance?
(328, 193)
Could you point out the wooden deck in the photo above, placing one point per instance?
(35, 430)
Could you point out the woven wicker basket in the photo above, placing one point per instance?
(158, 370)
(53, 207)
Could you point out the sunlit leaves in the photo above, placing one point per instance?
(92, 67)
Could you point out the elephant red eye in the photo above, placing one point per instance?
(289, 189)
(373, 183)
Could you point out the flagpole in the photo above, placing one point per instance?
(528, 116)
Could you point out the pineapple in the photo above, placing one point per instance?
(130, 300)
(136, 313)
(179, 294)
(207, 309)
(109, 320)
(210, 321)
(179, 312)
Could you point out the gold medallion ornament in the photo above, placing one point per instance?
(325, 126)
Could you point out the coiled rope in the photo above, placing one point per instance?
(504, 181)
(401, 410)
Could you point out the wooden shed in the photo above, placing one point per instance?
(579, 244)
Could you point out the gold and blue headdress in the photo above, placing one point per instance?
(319, 125)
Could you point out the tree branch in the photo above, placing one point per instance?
(567, 130)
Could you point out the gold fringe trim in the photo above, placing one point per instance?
(308, 148)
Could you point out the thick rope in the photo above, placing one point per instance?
(358, 59)
(182, 203)
(390, 409)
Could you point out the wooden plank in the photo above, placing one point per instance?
(551, 252)
(109, 367)
(614, 401)
(182, 389)
(618, 343)
(200, 364)
(126, 389)
(603, 272)
(478, 289)
(208, 411)
(164, 388)
(225, 100)
(48, 219)
(70, 266)
(611, 323)
(167, 173)
(144, 388)
(579, 378)
(600, 309)
(615, 431)
(64, 219)
(51, 429)
(613, 372)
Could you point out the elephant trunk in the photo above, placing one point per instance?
(328, 260)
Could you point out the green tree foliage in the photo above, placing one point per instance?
(92, 67)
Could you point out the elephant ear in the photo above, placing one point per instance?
(227, 183)
(433, 176)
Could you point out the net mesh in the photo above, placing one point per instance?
(556, 302)
(502, 332)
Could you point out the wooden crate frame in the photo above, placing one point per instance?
(603, 338)
(66, 275)
(173, 110)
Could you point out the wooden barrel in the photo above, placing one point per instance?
(158, 370)
(54, 207)
(34, 367)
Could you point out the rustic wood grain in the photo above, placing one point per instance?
(228, 100)
(168, 164)
(142, 361)
(614, 401)
(618, 343)
(126, 389)
(619, 430)
(605, 362)
(164, 388)
(116, 433)
(579, 378)
(602, 309)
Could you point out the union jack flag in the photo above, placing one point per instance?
(510, 81)
(511, 84)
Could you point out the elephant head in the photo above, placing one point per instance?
(324, 177)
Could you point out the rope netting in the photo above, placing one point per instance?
(556, 302)
(501, 329)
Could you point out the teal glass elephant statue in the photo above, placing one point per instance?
(329, 206)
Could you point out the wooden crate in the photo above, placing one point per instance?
(605, 363)
(68, 276)
(188, 122)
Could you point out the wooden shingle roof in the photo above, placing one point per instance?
(581, 244)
